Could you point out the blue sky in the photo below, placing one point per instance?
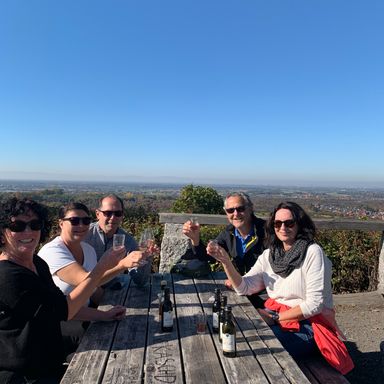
(203, 91)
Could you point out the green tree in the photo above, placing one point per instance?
(198, 199)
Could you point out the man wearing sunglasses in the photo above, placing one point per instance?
(242, 239)
(110, 215)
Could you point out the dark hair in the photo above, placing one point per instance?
(246, 199)
(305, 226)
(72, 206)
(14, 207)
(112, 196)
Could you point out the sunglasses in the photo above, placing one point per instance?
(77, 220)
(239, 209)
(288, 223)
(20, 226)
(110, 213)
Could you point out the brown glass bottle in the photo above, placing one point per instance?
(167, 312)
(229, 334)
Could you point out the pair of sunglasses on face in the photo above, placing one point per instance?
(288, 223)
(239, 209)
(110, 213)
(77, 220)
(20, 226)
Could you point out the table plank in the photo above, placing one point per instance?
(88, 364)
(200, 361)
(244, 368)
(163, 359)
(126, 360)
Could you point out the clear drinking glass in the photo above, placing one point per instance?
(118, 241)
(147, 239)
(194, 222)
(201, 323)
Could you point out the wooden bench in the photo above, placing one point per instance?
(318, 371)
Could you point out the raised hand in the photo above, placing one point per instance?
(133, 260)
(191, 229)
(111, 258)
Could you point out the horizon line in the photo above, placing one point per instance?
(299, 184)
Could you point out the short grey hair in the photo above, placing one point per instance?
(246, 199)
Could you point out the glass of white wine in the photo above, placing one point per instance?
(147, 239)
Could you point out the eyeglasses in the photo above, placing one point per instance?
(110, 213)
(77, 220)
(20, 226)
(288, 223)
(239, 209)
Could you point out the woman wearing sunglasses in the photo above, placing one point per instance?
(70, 259)
(31, 306)
(297, 276)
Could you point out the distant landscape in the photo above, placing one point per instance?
(320, 202)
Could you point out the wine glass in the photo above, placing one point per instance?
(147, 240)
(194, 222)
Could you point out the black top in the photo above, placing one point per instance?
(227, 239)
(31, 308)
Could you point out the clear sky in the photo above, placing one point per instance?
(200, 91)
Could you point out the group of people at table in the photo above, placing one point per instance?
(47, 299)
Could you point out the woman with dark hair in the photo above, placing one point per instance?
(297, 276)
(70, 259)
(31, 306)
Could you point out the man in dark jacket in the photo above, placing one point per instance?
(242, 239)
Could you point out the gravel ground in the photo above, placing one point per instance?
(361, 317)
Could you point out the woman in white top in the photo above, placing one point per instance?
(70, 261)
(296, 274)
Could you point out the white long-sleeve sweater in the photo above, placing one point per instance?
(308, 286)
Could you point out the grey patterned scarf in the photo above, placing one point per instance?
(283, 263)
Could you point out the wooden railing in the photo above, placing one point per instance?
(338, 224)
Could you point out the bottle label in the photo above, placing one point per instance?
(215, 320)
(229, 342)
(167, 319)
(221, 330)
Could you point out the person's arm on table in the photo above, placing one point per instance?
(82, 292)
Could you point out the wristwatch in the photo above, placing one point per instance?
(275, 317)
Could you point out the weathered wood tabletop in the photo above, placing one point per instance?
(135, 350)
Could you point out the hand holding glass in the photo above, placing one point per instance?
(118, 241)
(213, 245)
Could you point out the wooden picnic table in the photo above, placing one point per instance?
(135, 350)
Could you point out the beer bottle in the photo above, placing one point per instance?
(229, 334)
(223, 304)
(167, 316)
(216, 310)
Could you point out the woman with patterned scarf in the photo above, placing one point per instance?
(297, 276)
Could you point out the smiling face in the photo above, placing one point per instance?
(109, 222)
(70, 232)
(21, 244)
(240, 220)
(286, 234)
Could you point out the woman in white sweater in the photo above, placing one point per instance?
(296, 274)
